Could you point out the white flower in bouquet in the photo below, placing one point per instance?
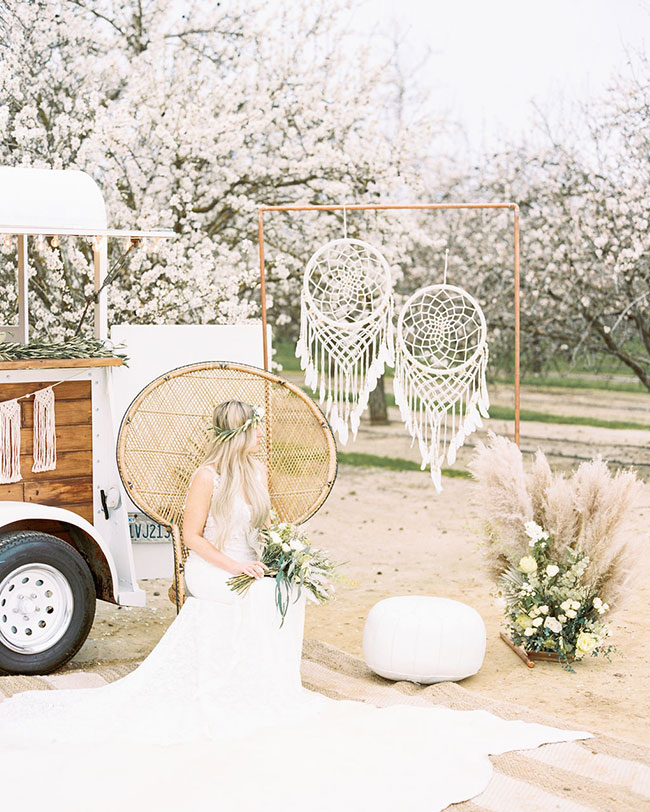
(538, 621)
(586, 643)
(529, 632)
(562, 618)
(534, 532)
(286, 547)
(565, 605)
(552, 570)
(597, 602)
(553, 624)
(296, 544)
(575, 604)
(544, 609)
(527, 564)
(276, 538)
(571, 613)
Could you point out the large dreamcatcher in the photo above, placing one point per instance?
(440, 371)
(346, 328)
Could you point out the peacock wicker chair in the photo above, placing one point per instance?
(166, 428)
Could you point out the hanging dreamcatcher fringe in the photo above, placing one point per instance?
(425, 402)
(345, 385)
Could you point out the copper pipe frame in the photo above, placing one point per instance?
(410, 207)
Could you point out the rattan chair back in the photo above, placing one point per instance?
(165, 431)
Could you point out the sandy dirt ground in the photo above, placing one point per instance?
(399, 538)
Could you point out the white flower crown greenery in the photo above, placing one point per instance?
(227, 434)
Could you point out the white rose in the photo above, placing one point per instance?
(296, 544)
(529, 631)
(586, 643)
(605, 607)
(571, 613)
(285, 547)
(575, 604)
(562, 618)
(565, 605)
(552, 570)
(597, 603)
(538, 621)
(553, 624)
(276, 538)
(527, 564)
(544, 609)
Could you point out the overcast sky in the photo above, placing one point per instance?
(490, 58)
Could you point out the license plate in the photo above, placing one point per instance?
(142, 528)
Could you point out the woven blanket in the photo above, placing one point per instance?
(600, 774)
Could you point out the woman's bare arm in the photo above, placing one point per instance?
(197, 506)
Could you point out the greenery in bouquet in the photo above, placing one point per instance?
(558, 546)
(294, 563)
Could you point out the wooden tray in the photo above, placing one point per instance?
(530, 656)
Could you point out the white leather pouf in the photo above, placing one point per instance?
(423, 639)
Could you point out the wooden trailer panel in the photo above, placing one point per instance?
(70, 484)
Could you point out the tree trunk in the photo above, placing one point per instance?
(377, 405)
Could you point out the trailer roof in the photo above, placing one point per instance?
(56, 201)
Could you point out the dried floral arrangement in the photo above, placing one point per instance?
(558, 547)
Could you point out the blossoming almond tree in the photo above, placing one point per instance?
(585, 238)
(190, 115)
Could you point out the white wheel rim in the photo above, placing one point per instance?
(36, 605)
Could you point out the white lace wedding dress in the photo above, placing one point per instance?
(216, 718)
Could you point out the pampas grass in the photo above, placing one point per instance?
(588, 511)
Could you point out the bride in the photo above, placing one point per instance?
(216, 717)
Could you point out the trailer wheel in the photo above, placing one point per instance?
(47, 602)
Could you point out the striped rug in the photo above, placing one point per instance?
(600, 774)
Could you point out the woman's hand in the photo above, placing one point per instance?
(254, 568)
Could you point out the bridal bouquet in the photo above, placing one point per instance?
(291, 560)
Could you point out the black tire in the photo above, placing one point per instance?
(24, 547)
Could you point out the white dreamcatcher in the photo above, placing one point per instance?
(440, 371)
(346, 328)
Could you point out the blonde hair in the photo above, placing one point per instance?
(237, 468)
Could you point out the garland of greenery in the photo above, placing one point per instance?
(77, 347)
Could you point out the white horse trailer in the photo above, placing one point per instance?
(64, 533)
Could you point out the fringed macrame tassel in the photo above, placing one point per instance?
(10, 441)
(44, 431)
(350, 376)
(424, 400)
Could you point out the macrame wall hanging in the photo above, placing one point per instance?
(346, 328)
(10, 441)
(441, 358)
(44, 436)
(44, 444)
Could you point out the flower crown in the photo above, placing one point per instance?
(227, 434)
